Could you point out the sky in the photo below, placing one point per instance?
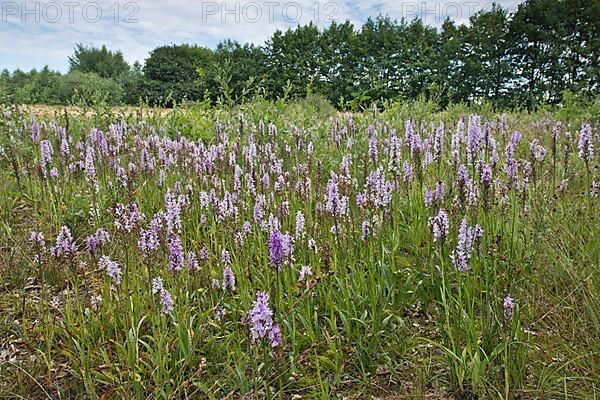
(38, 33)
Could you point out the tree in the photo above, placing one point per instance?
(536, 48)
(132, 83)
(295, 56)
(171, 73)
(579, 31)
(380, 51)
(100, 61)
(338, 44)
(246, 66)
(420, 71)
(448, 63)
(486, 55)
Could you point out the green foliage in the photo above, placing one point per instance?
(487, 72)
(89, 89)
(246, 69)
(49, 87)
(132, 83)
(579, 108)
(102, 62)
(418, 109)
(525, 59)
(170, 74)
(31, 88)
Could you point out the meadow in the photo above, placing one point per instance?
(289, 250)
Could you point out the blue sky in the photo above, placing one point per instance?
(38, 33)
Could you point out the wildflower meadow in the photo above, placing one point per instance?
(288, 250)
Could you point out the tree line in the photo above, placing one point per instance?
(533, 56)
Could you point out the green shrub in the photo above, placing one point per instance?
(80, 88)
